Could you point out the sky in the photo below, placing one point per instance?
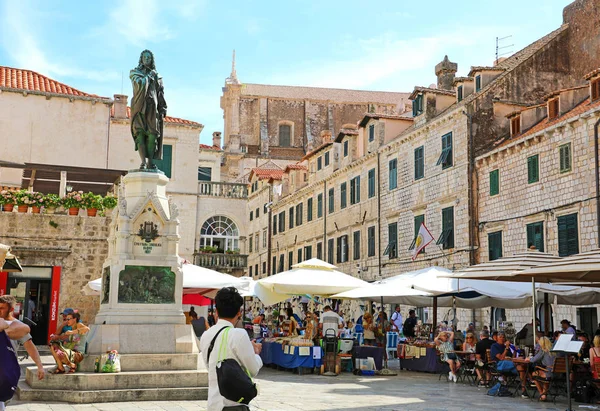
(383, 45)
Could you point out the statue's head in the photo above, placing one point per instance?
(147, 59)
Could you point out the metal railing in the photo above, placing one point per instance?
(217, 260)
(218, 189)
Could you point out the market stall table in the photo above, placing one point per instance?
(273, 353)
(365, 351)
(424, 363)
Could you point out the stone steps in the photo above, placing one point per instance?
(26, 393)
(132, 380)
(149, 362)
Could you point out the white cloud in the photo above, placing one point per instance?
(364, 62)
(21, 42)
(139, 22)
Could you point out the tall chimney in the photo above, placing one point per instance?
(217, 139)
(120, 106)
(445, 72)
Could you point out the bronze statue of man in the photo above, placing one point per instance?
(148, 109)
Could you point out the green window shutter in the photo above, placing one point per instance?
(568, 236)
(392, 240)
(274, 225)
(459, 93)
(446, 239)
(356, 245)
(330, 251)
(533, 170)
(357, 192)
(372, 132)
(291, 221)
(343, 195)
(565, 157)
(346, 148)
(320, 206)
(372, 183)
(535, 236)
(495, 245)
(290, 259)
(371, 241)
(494, 182)
(331, 200)
(164, 165)
(309, 209)
(419, 162)
(393, 174)
(419, 219)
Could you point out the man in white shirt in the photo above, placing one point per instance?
(397, 319)
(239, 347)
(330, 320)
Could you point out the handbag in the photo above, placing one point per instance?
(234, 383)
(110, 362)
(10, 370)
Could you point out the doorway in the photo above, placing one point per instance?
(587, 320)
(32, 288)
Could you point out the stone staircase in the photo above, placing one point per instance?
(181, 377)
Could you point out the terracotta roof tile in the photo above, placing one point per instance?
(545, 123)
(462, 80)
(318, 93)
(557, 92)
(168, 119)
(592, 74)
(295, 167)
(266, 174)
(27, 80)
(207, 147)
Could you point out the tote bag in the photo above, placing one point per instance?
(9, 368)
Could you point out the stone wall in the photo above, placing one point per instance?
(77, 244)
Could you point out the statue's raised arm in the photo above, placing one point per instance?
(148, 109)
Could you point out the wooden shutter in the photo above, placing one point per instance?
(419, 162)
(371, 183)
(356, 245)
(330, 251)
(495, 245)
(459, 92)
(320, 206)
(568, 238)
(533, 175)
(371, 241)
(339, 250)
(494, 182)
(448, 227)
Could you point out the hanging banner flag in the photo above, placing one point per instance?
(423, 239)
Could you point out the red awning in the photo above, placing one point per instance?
(195, 299)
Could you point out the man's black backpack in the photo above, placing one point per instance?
(234, 383)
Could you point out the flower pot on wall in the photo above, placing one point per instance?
(35, 210)
(91, 212)
(49, 210)
(74, 211)
(22, 208)
(8, 207)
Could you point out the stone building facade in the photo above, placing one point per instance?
(537, 187)
(283, 123)
(62, 253)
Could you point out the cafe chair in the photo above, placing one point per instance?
(557, 381)
(443, 368)
(391, 344)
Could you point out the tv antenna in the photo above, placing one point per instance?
(499, 48)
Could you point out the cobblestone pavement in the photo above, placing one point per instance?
(284, 391)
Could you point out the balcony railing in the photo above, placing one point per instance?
(221, 261)
(217, 189)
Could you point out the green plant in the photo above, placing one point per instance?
(38, 199)
(73, 199)
(24, 197)
(109, 202)
(7, 197)
(91, 200)
(208, 249)
(53, 224)
(52, 201)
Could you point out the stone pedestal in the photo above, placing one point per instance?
(142, 280)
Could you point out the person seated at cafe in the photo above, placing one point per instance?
(445, 344)
(471, 329)
(567, 328)
(541, 365)
(469, 346)
(485, 343)
(584, 352)
(368, 329)
(495, 336)
(502, 352)
(459, 339)
(68, 348)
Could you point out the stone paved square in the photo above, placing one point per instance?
(284, 391)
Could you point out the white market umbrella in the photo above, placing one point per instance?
(313, 277)
(504, 268)
(583, 267)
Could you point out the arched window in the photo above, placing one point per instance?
(220, 232)
(285, 131)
